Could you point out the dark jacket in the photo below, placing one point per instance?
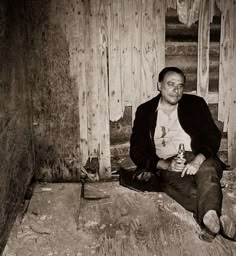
(195, 119)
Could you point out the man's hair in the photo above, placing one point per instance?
(170, 69)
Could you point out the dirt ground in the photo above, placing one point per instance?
(56, 222)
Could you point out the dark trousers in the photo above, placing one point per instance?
(196, 193)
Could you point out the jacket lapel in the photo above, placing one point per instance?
(153, 117)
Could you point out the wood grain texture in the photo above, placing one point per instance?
(136, 53)
(193, 12)
(148, 57)
(203, 50)
(225, 60)
(114, 51)
(183, 10)
(91, 67)
(160, 32)
(104, 132)
(126, 51)
(135, 223)
(212, 9)
(81, 80)
(232, 119)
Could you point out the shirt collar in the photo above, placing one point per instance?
(160, 106)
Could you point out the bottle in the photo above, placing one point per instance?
(181, 151)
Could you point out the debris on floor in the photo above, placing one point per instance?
(111, 220)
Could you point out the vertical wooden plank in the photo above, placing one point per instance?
(171, 4)
(104, 136)
(148, 47)
(194, 12)
(160, 35)
(125, 41)
(136, 54)
(183, 10)
(232, 119)
(203, 50)
(211, 9)
(114, 49)
(225, 67)
(75, 36)
(91, 67)
(80, 79)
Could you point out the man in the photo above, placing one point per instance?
(160, 125)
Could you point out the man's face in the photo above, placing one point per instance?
(171, 88)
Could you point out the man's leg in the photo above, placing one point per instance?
(209, 198)
(182, 190)
(209, 188)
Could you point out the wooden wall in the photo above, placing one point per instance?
(94, 58)
(93, 62)
(16, 157)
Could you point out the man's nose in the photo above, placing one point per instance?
(177, 89)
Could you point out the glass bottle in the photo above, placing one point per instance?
(181, 151)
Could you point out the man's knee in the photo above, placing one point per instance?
(210, 170)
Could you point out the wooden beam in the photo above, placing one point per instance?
(183, 10)
(193, 12)
(79, 52)
(126, 50)
(190, 49)
(104, 132)
(114, 49)
(171, 4)
(232, 119)
(225, 62)
(91, 69)
(159, 9)
(153, 45)
(136, 54)
(147, 50)
(203, 50)
(212, 9)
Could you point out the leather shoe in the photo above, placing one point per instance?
(211, 221)
(228, 227)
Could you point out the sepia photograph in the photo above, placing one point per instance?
(118, 127)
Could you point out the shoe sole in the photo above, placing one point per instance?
(228, 227)
(211, 221)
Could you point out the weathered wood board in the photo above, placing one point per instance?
(232, 98)
(104, 130)
(114, 50)
(203, 50)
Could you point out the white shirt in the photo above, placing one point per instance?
(169, 134)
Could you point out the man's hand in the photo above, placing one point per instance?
(172, 165)
(177, 165)
(190, 169)
(193, 167)
(144, 176)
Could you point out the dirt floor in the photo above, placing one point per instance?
(112, 220)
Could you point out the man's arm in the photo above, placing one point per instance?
(173, 165)
(140, 142)
(207, 141)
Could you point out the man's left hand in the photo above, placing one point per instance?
(190, 169)
(193, 167)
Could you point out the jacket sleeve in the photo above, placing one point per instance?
(208, 136)
(141, 148)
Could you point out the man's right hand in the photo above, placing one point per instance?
(173, 165)
(177, 164)
(144, 176)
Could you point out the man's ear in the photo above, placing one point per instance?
(158, 86)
